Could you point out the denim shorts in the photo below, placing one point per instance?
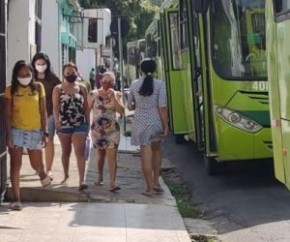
(27, 139)
(81, 129)
(51, 125)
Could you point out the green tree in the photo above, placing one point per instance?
(140, 13)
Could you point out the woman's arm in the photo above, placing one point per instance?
(90, 101)
(162, 108)
(163, 115)
(42, 107)
(55, 103)
(86, 105)
(131, 101)
(8, 113)
(118, 102)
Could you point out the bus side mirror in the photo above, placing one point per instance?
(201, 6)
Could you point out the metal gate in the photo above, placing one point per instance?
(3, 154)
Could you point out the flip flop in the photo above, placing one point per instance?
(99, 183)
(45, 182)
(16, 206)
(115, 188)
(64, 182)
(147, 194)
(83, 186)
(158, 189)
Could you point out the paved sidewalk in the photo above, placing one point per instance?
(62, 213)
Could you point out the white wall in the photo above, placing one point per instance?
(85, 61)
(50, 34)
(19, 27)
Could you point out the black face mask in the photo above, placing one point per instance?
(71, 78)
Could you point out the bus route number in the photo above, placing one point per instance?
(257, 86)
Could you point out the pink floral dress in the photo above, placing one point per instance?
(105, 130)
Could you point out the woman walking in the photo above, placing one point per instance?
(147, 96)
(71, 115)
(43, 73)
(106, 102)
(25, 125)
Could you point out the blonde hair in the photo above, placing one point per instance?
(111, 76)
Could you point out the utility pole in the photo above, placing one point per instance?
(121, 65)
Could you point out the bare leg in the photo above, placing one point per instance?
(112, 162)
(146, 154)
(100, 164)
(49, 153)
(156, 162)
(36, 161)
(65, 140)
(15, 165)
(79, 143)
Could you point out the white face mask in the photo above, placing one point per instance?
(41, 68)
(25, 81)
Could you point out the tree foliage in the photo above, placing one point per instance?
(140, 13)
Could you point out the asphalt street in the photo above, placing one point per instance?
(243, 203)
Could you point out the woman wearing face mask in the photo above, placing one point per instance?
(105, 103)
(25, 125)
(71, 115)
(43, 73)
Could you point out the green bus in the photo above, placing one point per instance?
(215, 68)
(278, 56)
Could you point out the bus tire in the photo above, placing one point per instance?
(211, 166)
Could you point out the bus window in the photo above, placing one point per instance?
(183, 24)
(282, 6)
(238, 39)
(174, 40)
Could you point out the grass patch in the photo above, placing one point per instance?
(203, 238)
(182, 196)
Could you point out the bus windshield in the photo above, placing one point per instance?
(238, 39)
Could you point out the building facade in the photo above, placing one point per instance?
(3, 59)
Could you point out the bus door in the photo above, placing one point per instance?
(177, 88)
(195, 60)
(165, 58)
(278, 55)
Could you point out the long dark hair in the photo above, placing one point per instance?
(48, 72)
(148, 67)
(15, 83)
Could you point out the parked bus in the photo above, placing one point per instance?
(215, 70)
(3, 153)
(135, 53)
(278, 55)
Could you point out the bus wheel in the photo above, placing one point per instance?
(211, 166)
(179, 139)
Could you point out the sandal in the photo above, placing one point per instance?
(64, 182)
(99, 183)
(158, 189)
(50, 175)
(147, 194)
(115, 188)
(46, 181)
(83, 186)
(16, 206)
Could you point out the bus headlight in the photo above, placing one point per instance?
(237, 120)
(234, 118)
